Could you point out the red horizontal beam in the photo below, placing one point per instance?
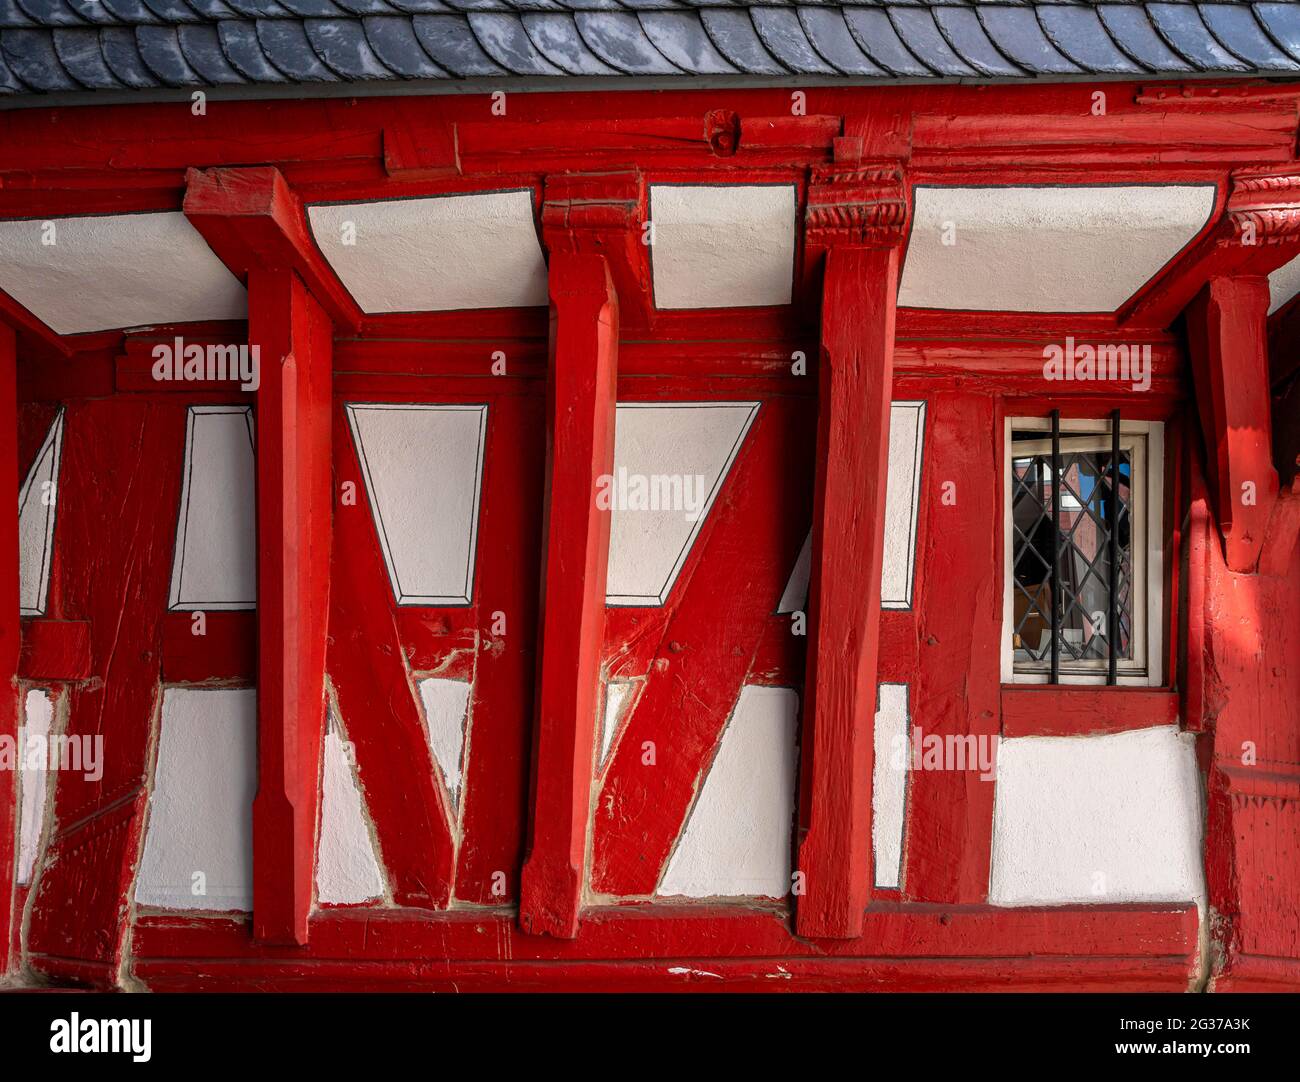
(1080, 711)
(222, 647)
(55, 650)
(694, 931)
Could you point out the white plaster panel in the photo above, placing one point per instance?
(692, 443)
(446, 707)
(439, 254)
(1283, 284)
(116, 270)
(347, 872)
(38, 720)
(889, 784)
(201, 807)
(902, 513)
(1091, 819)
(423, 470)
(902, 501)
(618, 696)
(38, 502)
(1045, 249)
(722, 246)
(215, 561)
(738, 836)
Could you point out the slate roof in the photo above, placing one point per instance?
(78, 45)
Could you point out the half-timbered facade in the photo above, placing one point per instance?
(662, 496)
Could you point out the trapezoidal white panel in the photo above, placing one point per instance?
(902, 507)
(725, 246)
(446, 714)
(670, 462)
(1045, 249)
(38, 504)
(902, 504)
(889, 784)
(737, 838)
(198, 847)
(347, 872)
(116, 270)
(38, 721)
(423, 471)
(1093, 819)
(215, 562)
(439, 254)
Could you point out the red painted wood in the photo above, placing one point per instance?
(1079, 711)
(843, 626)
(225, 653)
(579, 452)
(293, 580)
(1228, 347)
(494, 798)
(112, 568)
(702, 931)
(377, 699)
(698, 651)
(956, 680)
(254, 222)
(10, 625)
(55, 650)
(1251, 704)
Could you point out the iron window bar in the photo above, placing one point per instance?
(1055, 603)
(1112, 571)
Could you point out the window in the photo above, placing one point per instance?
(1084, 538)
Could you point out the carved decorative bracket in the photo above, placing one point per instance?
(862, 204)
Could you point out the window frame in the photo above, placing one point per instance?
(1148, 555)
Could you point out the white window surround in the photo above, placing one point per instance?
(1147, 667)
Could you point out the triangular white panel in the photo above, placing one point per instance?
(38, 503)
(670, 461)
(1063, 248)
(738, 837)
(889, 784)
(446, 252)
(795, 595)
(215, 562)
(198, 848)
(38, 719)
(722, 246)
(902, 507)
(446, 704)
(618, 696)
(346, 869)
(106, 271)
(423, 470)
(1283, 284)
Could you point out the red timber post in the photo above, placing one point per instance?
(583, 220)
(255, 223)
(858, 214)
(10, 627)
(1249, 676)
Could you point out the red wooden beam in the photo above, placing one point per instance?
(10, 626)
(1081, 711)
(56, 650)
(1257, 231)
(1228, 344)
(253, 221)
(293, 562)
(848, 210)
(579, 450)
